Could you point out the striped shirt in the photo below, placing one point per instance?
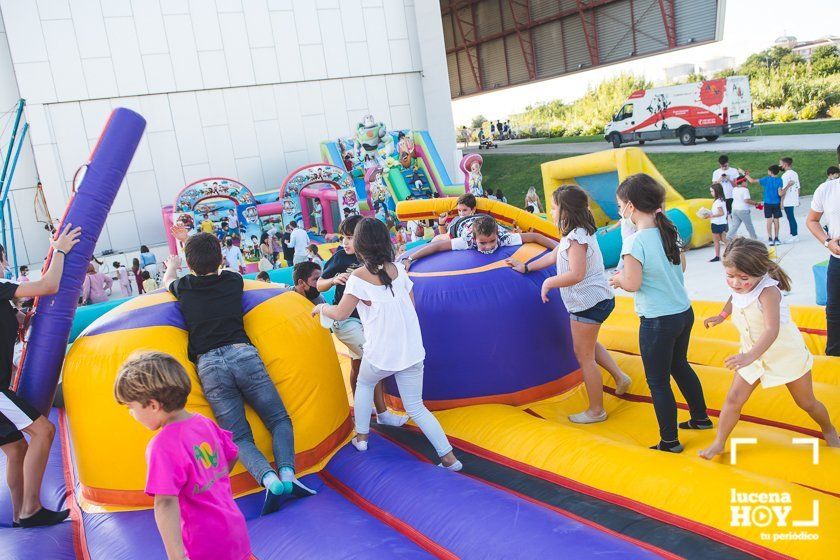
(594, 287)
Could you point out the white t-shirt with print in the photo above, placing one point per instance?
(792, 194)
(827, 201)
(726, 178)
(739, 197)
(717, 206)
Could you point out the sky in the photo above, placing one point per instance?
(749, 26)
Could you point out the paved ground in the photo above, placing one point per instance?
(734, 143)
(706, 281)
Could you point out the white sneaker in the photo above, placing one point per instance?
(455, 467)
(792, 239)
(389, 418)
(623, 384)
(359, 445)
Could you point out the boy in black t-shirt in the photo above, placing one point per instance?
(25, 463)
(336, 272)
(229, 367)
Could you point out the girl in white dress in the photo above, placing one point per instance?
(772, 349)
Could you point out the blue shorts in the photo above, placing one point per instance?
(720, 228)
(596, 314)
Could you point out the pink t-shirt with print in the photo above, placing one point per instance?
(189, 459)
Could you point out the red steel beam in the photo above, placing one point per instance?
(526, 44)
(504, 41)
(669, 20)
(590, 30)
(591, 4)
(475, 67)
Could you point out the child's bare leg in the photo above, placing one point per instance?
(41, 432)
(604, 359)
(716, 237)
(738, 394)
(15, 453)
(802, 391)
(354, 373)
(584, 336)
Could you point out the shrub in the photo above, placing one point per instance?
(811, 111)
(784, 114)
(834, 111)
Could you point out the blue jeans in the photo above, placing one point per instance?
(232, 376)
(832, 307)
(791, 218)
(663, 342)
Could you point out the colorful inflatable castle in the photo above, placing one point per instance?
(500, 375)
(599, 174)
(389, 167)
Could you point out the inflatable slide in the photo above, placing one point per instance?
(599, 174)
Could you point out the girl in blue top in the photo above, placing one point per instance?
(653, 270)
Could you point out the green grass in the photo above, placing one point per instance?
(565, 139)
(690, 174)
(824, 126)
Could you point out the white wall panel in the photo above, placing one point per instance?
(183, 52)
(149, 22)
(128, 66)
(90, 26)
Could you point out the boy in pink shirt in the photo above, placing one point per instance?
(189, 463)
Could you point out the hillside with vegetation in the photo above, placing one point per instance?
(785, 87)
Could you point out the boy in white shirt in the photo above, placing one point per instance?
(790, 195)
(726, 176)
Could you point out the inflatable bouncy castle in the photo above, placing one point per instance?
(501, 376)
(599, 174)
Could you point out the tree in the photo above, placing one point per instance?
(825, 61)
(478, 121)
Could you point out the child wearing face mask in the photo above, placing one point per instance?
(772, 349)
(483, 235)
(653, 271)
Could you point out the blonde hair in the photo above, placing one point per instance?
(752, 258)
(149, 376)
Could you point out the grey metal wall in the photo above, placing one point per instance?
(621, 29)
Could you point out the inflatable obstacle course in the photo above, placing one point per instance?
(599, 174)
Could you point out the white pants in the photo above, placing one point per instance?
(299, 258)
(410, 386)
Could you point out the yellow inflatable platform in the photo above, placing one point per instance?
(110, 463)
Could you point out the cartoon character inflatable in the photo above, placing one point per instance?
(371, 137)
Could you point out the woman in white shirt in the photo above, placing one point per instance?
(533, 199)
(381, 292)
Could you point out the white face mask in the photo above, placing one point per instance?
(627, 220)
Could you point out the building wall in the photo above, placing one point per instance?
(238, 88)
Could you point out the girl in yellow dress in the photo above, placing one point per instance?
(772, 349)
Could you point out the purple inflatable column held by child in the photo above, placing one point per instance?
(88, 208)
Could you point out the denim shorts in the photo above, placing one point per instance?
(596, 314)
(720, 228)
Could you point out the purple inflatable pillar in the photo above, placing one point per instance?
(88, 208)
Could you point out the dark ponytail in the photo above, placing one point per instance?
(372, 243)
(648, 196)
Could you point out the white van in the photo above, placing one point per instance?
(689, 111)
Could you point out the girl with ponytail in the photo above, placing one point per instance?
(772, 349)
(381, 292)
(653, 271)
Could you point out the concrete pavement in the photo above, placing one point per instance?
(724, 144)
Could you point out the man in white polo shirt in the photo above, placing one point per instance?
(726, 176)
(790, 195)
(826, 204)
